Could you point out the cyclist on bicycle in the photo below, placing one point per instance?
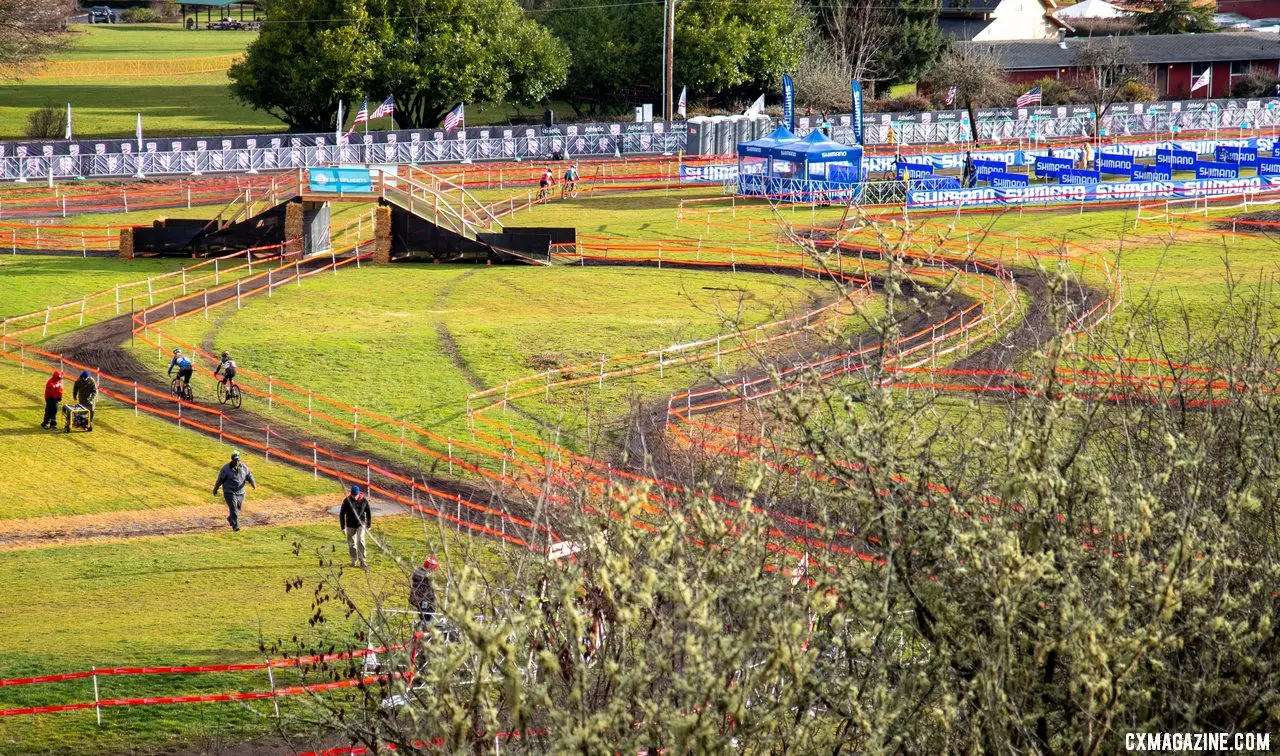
(227, 367)
(571, 179)
(548, 178)
(183, 364)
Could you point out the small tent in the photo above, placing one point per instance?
(1089, 9)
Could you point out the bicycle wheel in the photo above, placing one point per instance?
(187, 393)
(234, 396)
(222, 393)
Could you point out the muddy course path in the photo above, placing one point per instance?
(104, 345)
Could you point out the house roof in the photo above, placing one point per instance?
(1090, 9)
(1156, 48)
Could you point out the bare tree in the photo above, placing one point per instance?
(31, 29)
(975, 72)
(856, 29)
(1111, 64)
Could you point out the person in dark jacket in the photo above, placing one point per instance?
(231, 479)
(967, 180)
(52, 398)
(85, 393)
(422, 596)
(355, 519)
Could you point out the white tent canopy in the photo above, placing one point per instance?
(1089, 9)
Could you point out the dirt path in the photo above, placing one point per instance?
(102, 345)
(104, 527)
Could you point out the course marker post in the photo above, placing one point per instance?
(355, 422)
(270, 393)
(268, 284)
(449, 454)
(206, 303)
(135, 398)
(271, 678)
(97, 708)
(237, 295)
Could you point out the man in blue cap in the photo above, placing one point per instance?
(231, 479)
(355, 517)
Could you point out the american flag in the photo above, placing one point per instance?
(951, 94)
(363, 115)
(455, 118)
(1031, 97)
(387, 108)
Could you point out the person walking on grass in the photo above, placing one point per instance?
(231, 479)
(355, 519)
(85, 393)
(52, 398)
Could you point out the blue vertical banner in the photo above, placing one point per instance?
(789, 102)
(857, 112)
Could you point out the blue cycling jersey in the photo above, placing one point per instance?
(181, 362)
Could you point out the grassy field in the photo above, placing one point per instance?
(126, 463)
(33, 282)
(170, 105)
(186, 600)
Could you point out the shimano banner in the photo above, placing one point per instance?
(856, 121)
(1105, 192)
(788, 103)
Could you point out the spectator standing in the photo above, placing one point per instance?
(231, 479)
(422, 596)
(355, 518)
(85, 393)
(52, 398)
(968, 169)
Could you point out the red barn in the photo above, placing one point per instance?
(1175, 60)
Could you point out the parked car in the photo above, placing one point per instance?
(101, 14)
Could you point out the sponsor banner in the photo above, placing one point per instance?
(1104, 192)
(1006, 180)
(1268, 166)
(954, 161)
(1051, 167)
(1230, 153)
(1150, 173)
(716, 174)
(1075, 177)
(911, 170)
(341, 180)
(1208, 169)
(1176, 160)
(1114, 164)
(857, 112)
(982, 169)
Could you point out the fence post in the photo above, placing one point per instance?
(355, 422)
(151, 297)
(216, 275)
(268, 449)
(270, 393)
(602, 370)
(135, 398)
(268, 284)
(248, 256)
(117, 299)
(97, 708)
(368, 476)
(85, 300)
(271, 678)
(206, 303)
(449, 454)
(237, 295)
(297, 272)
(315, 464)
(308, 406)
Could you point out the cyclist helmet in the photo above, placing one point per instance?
(177, 351)
(431, 563)
(235, 455)
(226, 356)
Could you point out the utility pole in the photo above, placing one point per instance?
(669, 50)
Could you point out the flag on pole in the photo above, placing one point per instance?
(757, 107)
(139, 132)
(788, 102)
(68, 134)
(682, 105)
(1202, 80)
(337, 132)
(387, 108)
(455, 118)
(1030, 97)
(952, 91)
(362, 115)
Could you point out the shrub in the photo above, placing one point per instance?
(47, 122)
(166, 9)
(912, 103)
(1256, 83)
(1054, 92)
(140, 16)
(1137, 91)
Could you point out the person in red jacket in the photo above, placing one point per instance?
(52, 397)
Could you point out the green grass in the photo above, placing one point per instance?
(182, 600)
(33, 282)
(126, 463)
(151, 42)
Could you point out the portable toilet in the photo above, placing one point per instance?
(741, 130)
(696, 133)
(724, 135)
(761, 125)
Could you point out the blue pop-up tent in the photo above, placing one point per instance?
(799, 170)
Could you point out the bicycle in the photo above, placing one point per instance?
(229, 394)
(182, 389)
(544, 192)
(569, 190)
